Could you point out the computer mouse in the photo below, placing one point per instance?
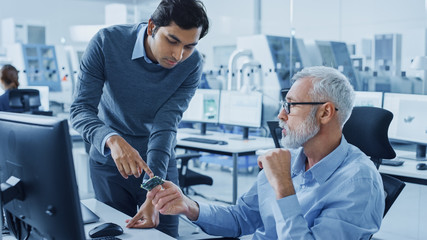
(222, 142)
(422, 166)
(106, 229)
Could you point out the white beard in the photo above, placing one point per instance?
(304, 132)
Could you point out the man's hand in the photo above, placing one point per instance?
(277, 167)
(170, 200)
(127, 159)
(147, 217)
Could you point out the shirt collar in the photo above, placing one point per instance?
(322, 170)
(139, 48)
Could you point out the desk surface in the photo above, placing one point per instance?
(109, 214)
(408, 171)
(236, 147)
(235, 143)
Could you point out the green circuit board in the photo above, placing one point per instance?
(152, 183)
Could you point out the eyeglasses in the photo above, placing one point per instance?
(287, 105)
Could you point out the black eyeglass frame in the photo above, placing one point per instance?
(287, 105)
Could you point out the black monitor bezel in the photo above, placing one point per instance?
(44, 171)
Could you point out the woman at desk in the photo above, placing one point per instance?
(9, 81)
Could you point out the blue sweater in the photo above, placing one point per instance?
(142, 102)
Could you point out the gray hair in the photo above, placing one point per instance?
(329, 85)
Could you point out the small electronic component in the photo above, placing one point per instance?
(152, 183)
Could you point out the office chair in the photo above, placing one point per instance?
(367, 129)
(26, 101)
(275, 131)
(188, 177)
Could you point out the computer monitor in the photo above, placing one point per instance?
(368, 99)
(36, 152)
(203, 108)
(241, 109)
(24, 100)
(409, 123)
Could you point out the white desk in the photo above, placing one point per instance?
(408, 171)
(109, 214)
(234, 148)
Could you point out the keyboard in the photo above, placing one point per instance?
(391, 162)
(106, 238)
(201, 140)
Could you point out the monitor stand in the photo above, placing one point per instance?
(420, 154)
(245, 135)
(202, 130)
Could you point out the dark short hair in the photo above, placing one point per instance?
(186, 14)
(9, 75)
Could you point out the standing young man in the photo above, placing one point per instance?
(134, 85)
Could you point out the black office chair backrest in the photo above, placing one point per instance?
(188, 177)
(367, 129)
(24, 100)
(276, 132)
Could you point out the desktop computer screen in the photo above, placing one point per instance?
(36, 152)
(409, 122)
(203, 107)
(368, 99)
(241, 109)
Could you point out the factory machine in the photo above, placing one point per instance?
(37, 64)
(385, 74)
(52, 67)
(336, 55)
(262, 63)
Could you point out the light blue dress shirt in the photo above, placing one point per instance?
(340, 197)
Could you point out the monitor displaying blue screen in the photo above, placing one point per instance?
(203, 107)
(368, 99)
(240, 109)
(409, 122)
